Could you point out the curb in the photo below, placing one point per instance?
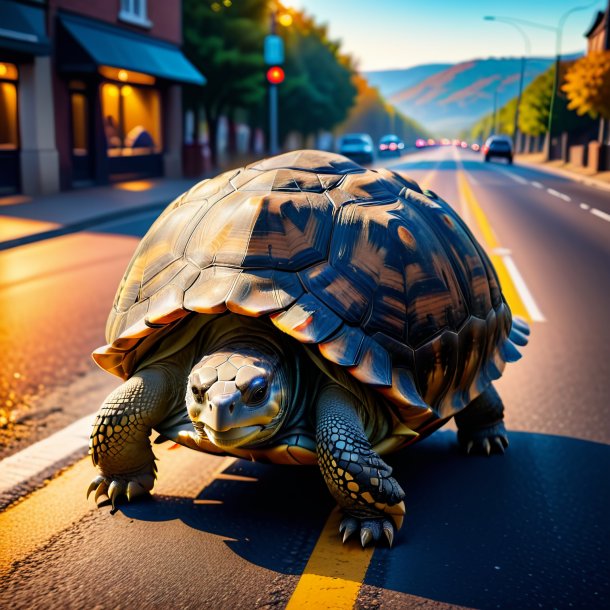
(26, 470)
(80, 226)
(588, 180)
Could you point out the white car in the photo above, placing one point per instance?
(356, 146)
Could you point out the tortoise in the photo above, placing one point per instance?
(305, 310)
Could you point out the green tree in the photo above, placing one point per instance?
(225, 41)
(534, 110)
(318, 90)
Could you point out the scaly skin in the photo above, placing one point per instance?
(119, 442)
(356, 476)
(481, 424)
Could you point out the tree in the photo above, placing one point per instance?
(318, 91)
(588, 85)
(534, 110)
(225, 41)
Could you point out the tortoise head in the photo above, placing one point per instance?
(237, 395)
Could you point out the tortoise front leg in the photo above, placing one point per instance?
(119, 443)
(356, 476)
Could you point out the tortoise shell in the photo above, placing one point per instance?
(385, 279)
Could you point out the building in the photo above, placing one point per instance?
(597, 35)
(90, 92)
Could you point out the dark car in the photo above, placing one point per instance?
(391, 146)
(356, 146)
(498, 146)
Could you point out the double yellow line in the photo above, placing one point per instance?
(513, 287)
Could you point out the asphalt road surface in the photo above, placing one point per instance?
(526, 530)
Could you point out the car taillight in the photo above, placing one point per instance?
(383, 146)
(393, 146)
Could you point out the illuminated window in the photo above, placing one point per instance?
(132, 120)
(80, 141)
(9, 138)
(134, 11)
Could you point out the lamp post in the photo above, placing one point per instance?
(558, 30)
(528, 51)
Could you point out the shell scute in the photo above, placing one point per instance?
(374, 366)
(344, 347)
(307, 320)
(435, 368)
(263, 291)
(336, 291)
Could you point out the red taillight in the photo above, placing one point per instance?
(393, 146)
(383, 146)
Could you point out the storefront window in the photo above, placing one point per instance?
(80, 144)
(132, 120)
(9, 135)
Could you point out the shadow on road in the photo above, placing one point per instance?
(528, 529)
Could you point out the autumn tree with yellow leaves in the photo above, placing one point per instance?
(588, 85)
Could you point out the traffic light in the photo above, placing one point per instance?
(275, 75)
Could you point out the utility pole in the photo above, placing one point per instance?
(528, 51)
(494, 127)
(604, 124)
(274, 57)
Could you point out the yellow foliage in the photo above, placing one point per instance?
(588, 85)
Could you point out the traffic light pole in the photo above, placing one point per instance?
(273, 144)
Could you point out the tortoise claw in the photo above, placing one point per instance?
(115, 491)
(389, 533)
(365, 536)
(348, 526)
(372, 529)
(94, 485)
(102, 490)
(486, 446)
(499, 444)
(486, 441)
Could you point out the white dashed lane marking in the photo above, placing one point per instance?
(537, 185)
(558, 194)
(585, 206)
(601, 214)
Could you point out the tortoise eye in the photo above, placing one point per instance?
(258, 392)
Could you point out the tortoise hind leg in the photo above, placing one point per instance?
(481, 424)
(356, 476)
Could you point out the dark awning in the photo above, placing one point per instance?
(22, 28)
(105, 45)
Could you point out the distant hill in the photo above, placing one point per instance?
(392, 81)
(447, 99)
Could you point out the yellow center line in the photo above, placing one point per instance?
(334, 573)
(493, 249)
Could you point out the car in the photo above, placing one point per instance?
(420, 143)
(391, 146)
(498, 146)
(356, 146)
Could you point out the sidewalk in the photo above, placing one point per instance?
(580, 174)
(26, 219)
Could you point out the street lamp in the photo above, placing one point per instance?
(558, 34)
(528, 52)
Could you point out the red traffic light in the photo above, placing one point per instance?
(275, 75)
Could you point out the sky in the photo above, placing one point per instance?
(385, 34)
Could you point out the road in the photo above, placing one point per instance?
(528, 529)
